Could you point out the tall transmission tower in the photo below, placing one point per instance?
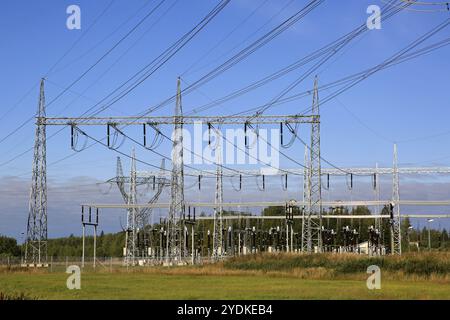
(218, 210)
(36, 244)
(175, 228)
(120, 180)
(131, 232)
(143, 218)
(314, 204)
(304, 239)
(396, 237)
(142, 215)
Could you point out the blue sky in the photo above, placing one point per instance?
(405, 103)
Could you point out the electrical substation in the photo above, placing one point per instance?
(186, 235)
(190, 231)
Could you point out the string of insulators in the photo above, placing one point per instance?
(375, 181)
(281, 133)
(108, 133)
(90, 214)
(144, 127)
(71, 136)
(96, 216)
(154, 182)
(189, 214)
(351, 181)
(285, 181)
(82, 214)
(328, 181)
(264, 182)
(245, 134)
(199, 182)
(209, 134)
(289, 212)
(240, 182)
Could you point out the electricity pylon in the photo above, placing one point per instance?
(396, 237)
(218, 210)
(304, 239)
(131, 232)
(120, 180)
(313, 226)
(174, 229)
(143, 214)
(36, 244)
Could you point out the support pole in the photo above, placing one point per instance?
(95, 244)
(82, 257)
(193, 245)
(287, 236)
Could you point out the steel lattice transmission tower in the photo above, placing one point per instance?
(175, 228)
(36, 244)
(304, 239)
(131, 232)
(313, 226)
(142, 216)
(396, 237)
(218, 210)
(120, 180)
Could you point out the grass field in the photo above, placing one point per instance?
(227, 281)
(155, 286)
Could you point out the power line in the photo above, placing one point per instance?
(269, 36)
(358, 75)
(345, 40)
(88, 70)
(336, 48)
(103, 74)
(260, 42)
(96, 20)
(99, 43)
(289, 88)
(165, 56)
(331, 49)
(223, 39)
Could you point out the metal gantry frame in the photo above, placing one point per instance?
(175, 247)
(312, 198)
(93, 223)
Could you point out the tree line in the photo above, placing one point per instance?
(111, 245)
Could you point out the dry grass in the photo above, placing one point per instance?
(427, 266)
(414, 266)
(15, 296)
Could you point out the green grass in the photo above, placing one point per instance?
(190, 286)
(266, 276)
